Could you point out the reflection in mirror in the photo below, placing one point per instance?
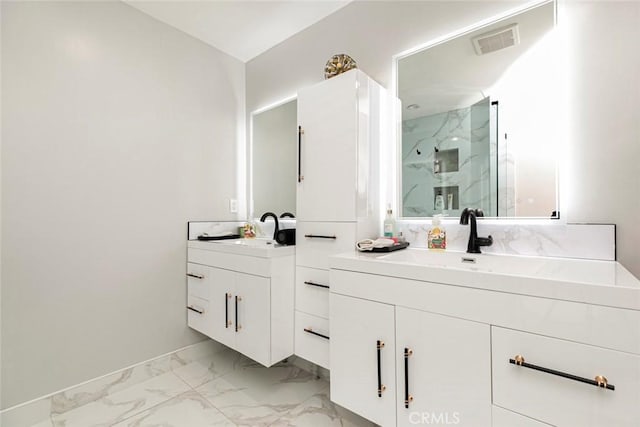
(480, 116)
(273, 165)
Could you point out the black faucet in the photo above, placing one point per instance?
(275, 218)
(287, 214)
(468, 216)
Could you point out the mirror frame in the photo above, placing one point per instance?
(394, 188)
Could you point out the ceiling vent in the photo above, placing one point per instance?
(496, 39)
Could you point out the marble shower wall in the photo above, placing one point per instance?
(473, 183)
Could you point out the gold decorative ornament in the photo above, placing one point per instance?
(519, 360)
(338, 64)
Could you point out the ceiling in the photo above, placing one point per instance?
(242, 29)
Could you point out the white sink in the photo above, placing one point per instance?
(598, 282)
(565, 269)
(264, 248)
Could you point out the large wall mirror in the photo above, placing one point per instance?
(481, 120)
(273, 159)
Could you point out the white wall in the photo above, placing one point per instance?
(604, 120)
(604, 91)
(1, 380)
(117, 130)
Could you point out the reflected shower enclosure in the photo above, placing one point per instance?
(447, 161)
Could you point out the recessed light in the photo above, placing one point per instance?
(413, 107)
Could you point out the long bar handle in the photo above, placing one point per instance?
(195, 309)
(300, 132)
(598, 381)
(316, 284)
(238, 327)
(311, 331)
(319, 236)
(195, 276)
(227, 297)
(381, 387)
(407, 397)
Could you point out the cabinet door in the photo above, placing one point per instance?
(446, 376)
(221, 294)
(358, 366)
(327, 113)
(254, 317)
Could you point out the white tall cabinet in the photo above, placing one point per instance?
(341, 124)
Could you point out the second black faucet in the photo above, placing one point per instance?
(275, 218)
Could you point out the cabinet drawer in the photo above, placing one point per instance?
(316, 241)
(247, 264)
(503, 418)
(312, 347)
(197, 281)
(198, 316)
(561, 401)
(312, 292)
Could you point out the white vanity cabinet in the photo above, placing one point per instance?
(443, 369)
(399, 366)
(243, 301)
(362, 357)
(480, 350)
(240, 304)
(341, 122)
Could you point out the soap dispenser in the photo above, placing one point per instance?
(437, 235)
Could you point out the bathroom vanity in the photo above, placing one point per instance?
(240, 293)
(448, 338)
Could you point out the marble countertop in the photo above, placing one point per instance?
(263, 248)
(605, 283)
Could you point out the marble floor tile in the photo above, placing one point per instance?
(44, 423)
(195, 352)
(187, 410)
(126, 403)
(320, 411)
(81, 395)
(258, 396)
(210, 366)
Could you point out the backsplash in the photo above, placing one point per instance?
(587, 241)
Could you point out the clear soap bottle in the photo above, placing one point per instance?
(389, 223)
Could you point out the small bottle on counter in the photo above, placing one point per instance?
(437, 235)
(389, 223)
